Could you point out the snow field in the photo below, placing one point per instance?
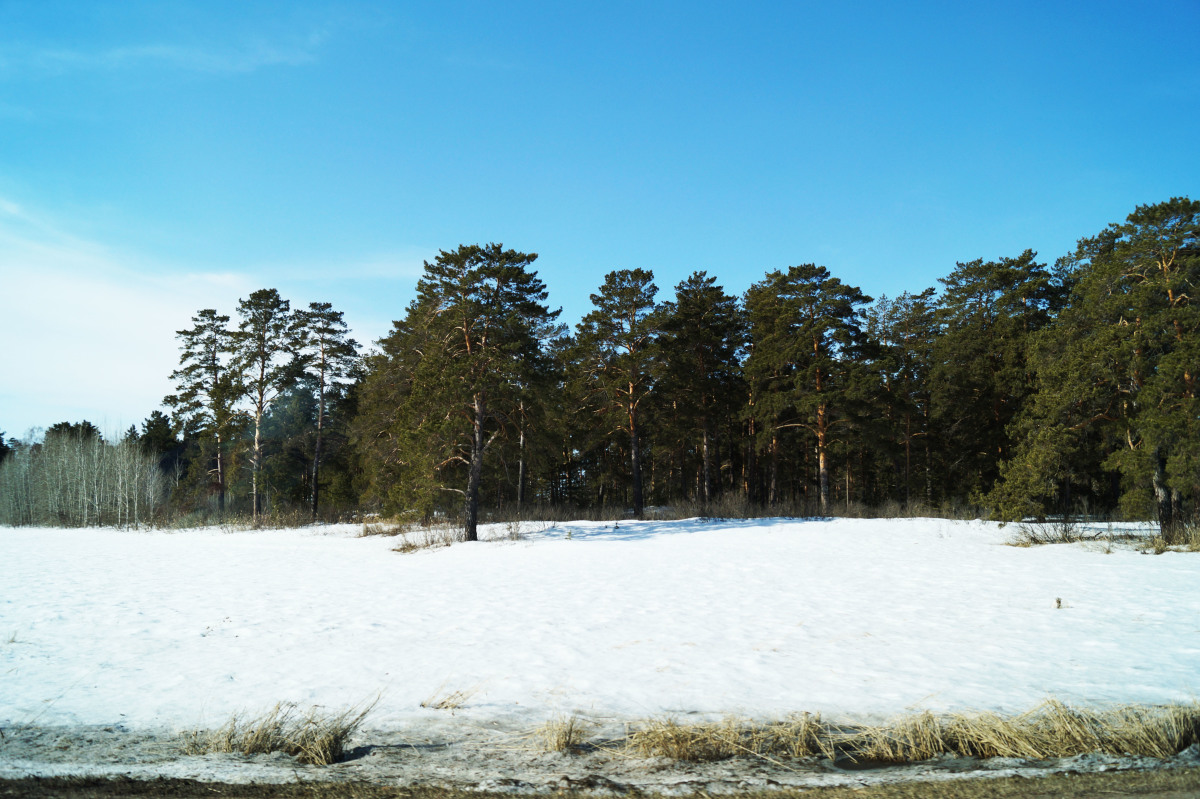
(761, 618)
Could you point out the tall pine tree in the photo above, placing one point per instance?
(207, 389)
(616, 352)
(451, 377)
(806, 334)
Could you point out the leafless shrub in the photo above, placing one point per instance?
(1065, 530)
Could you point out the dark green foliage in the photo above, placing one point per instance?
(1019, 391)
(1116, 377)
(266, 359)
(331, 360)
(617, 363)
(454, 378)
(806, 350)
(904, 332)
(208, 389)
(84, 430)
(989, 313)
(702, 339)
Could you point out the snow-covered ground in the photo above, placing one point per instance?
(758, 618)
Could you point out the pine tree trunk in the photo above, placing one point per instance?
(220, 479)
(1167, 521)
(822, 465)
(521, 462)
(255, 465)
(706, 495)
(773, 488)
(316, 470)
(635, 457)
(476, 471)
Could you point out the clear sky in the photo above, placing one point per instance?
(157, 158)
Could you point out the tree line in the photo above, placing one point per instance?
(1015, 389)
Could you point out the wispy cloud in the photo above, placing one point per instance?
(89, 337)
(245, 57)
(91, 328)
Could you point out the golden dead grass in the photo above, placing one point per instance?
(798, 736)
(1053, 729)
(310, 736)
(564, 734)
(441, 699)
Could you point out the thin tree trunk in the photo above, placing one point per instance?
(1163, 499)
(707, 455)
(220, 479)
(255, 465)
(822, 465)
(907, 461)
(476, 471)
(635, 457)
(521, 461)
(316, 470)
(773, 488)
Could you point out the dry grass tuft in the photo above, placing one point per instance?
(1192, 539)
(1050, 730)
(380, 528)
(689, 742)
(453, 700)
(908, 739)
(564, 734)
(804, 735)
(311, 736)
(799, 736)
(432, 537)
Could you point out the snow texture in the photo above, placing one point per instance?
(760, 618)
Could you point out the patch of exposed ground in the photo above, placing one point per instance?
(454, 755)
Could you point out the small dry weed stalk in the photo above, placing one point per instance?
(310, 736)
(452, 700)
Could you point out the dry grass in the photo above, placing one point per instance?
(564, 734)
(799, 736)
(1058, 531)
(449, 700)
(431, 537)
(310, 736)
(1050, 730)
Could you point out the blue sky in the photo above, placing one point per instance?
(159, 158)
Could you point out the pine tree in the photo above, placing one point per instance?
(1116, 375)
(806, 336)
(703, 333)
(208, 388)
(615, 350)
(452, 375)
(266, 347)
(904, 332)
(989, 312)
(332, 360)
